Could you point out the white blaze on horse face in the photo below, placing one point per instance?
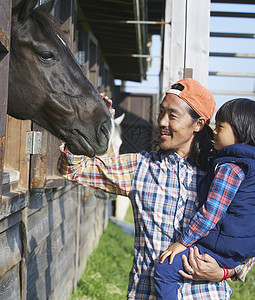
(115, 139)
(63, 42)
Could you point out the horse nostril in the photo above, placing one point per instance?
(105, 129)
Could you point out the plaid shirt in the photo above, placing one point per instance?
(224, 186)
(163, 192)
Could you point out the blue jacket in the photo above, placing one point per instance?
(234, 234)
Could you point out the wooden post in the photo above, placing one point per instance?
(186, 41)
(174, 43)
(5, 27)
(197, 38)
(77, 238)
(23, 273)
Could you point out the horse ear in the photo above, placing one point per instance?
(118, 120)
(24, 9)
(47, 6)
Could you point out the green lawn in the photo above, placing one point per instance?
(108, 267)
(106, 274)
(244, 291)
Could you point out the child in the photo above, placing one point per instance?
(224, 226)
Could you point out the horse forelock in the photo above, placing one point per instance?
(49, 24)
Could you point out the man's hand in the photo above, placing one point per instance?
(201, 267)
(108, 103)
(172, 251)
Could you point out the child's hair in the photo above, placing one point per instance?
(240, 114)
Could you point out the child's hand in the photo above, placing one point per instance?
(172, 251)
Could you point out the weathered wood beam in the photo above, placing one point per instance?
(238, 55)
(233, 35)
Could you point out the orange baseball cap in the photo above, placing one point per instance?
(196, 96)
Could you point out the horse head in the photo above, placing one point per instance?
(47, 85)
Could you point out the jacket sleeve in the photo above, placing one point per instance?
(224, 186)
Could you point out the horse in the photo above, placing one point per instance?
(47, 85)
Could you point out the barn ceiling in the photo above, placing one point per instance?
(124, 44)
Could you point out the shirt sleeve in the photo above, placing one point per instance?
(222, 191)
(243, 269)
(110, 174)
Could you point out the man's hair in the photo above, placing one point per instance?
(202, 146)
(240, 114)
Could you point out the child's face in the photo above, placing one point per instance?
(223, 135)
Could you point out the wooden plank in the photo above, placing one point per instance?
(89, 45)
(4, 40)
(197, 46)
(65, 11)
(39, 198)
(24, 159)
(15, 154)
(38, 163)
(53, 143)
(10, 249)
(5, 21)
(12, 202)
(12, 220)
(83, 54)
(183, 49)
(44, 278)
(48, 251)
(77, 238)
(5, 17)
(9, 285)
(44, 172)
(23, 265)
(13, 136)
(43, 222)
(2, 147)
(174, 43)
(93, 62)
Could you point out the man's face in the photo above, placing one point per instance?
(176, 127)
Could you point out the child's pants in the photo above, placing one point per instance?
(166, 276)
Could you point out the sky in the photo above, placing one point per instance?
(224, 64)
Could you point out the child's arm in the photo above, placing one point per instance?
(172, 251)
(222, 191)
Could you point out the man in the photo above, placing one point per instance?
(162, 187)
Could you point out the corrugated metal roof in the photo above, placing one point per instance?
(124, 45)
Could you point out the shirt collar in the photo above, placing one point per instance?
(175, 158)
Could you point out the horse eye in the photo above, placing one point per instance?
(46, 56)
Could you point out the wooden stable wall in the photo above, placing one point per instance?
(48, 226)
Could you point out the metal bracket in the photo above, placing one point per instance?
(188, 73)
(33, 142)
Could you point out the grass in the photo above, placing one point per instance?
(245, 290)
(106, 274)
(108, 267)
(129, 215)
